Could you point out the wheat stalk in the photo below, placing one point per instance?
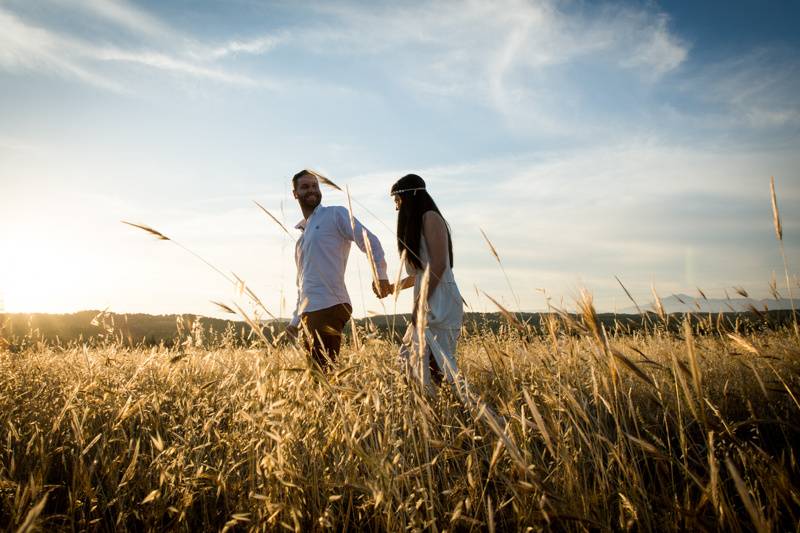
(325, 181)
(513, 320)
(371, 257)
(776, 221)
(163, 237)
(628, 294)
(493, 250)
(274, 219)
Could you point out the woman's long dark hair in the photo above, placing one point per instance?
(415, 202)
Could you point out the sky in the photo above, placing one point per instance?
(589, 141)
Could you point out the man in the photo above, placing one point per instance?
(321, 252)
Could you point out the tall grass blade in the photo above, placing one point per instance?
(491, 246)
(659, 305)
(776, 217)
(508, 315)
(163, 237)
(274, 218)
(325, 181)
(244, 289)
(773, 287)
(540, 425)
(371, 257)
(741, 488)
(224, 307)
(743, 343)
(148, 229)
(776, 220)
(350, 213)
(493, 250)
(29, 524)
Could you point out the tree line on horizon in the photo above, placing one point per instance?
(138, 329)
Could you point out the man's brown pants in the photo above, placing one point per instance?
(325, 327)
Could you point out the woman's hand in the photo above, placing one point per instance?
(390, 288)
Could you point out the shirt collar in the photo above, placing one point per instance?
(302, 224)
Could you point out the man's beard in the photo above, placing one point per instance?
(311, 200)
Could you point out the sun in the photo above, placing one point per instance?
(43, 273)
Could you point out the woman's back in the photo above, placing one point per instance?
(445, 304)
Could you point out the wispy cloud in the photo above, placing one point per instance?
(31, 47)
(124, 15)
(256, 46)
(648, 44)
(173, 65)
(643, 210)
(520, 58)
(758, 89)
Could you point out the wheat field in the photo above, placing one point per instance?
(591, 430)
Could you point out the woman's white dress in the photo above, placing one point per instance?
(445, 313)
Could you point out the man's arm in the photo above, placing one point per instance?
(355, 233)
(296, 313)
(292, 331)
(294, 323)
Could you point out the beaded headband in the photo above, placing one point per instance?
(415, 189)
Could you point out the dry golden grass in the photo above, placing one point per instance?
(654, 432)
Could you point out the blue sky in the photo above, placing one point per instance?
(587, 139)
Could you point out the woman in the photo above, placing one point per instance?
(423, 238)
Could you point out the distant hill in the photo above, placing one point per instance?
(20, 329)
(682, 303)
(133, 328)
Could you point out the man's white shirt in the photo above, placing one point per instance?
(321, 255)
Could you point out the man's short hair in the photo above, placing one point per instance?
(299, 175)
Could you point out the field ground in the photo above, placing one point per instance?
(696, 429)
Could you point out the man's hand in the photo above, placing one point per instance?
(384, 289)
(291, 332)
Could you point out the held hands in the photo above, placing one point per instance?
(386, 288)
(383, 289)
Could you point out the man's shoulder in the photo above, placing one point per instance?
(336, 211)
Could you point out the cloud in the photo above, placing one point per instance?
(654, 49)
(31, 47)
(256, 46)
(167, 63)
(522, 59)
(25, 47)
(124, 15)
(647, 211)
(758, 89)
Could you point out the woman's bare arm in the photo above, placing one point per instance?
(407, 282)
(435, 231)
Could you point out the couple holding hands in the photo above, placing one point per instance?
(424, 242)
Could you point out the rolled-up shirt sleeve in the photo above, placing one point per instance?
(355, 233)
